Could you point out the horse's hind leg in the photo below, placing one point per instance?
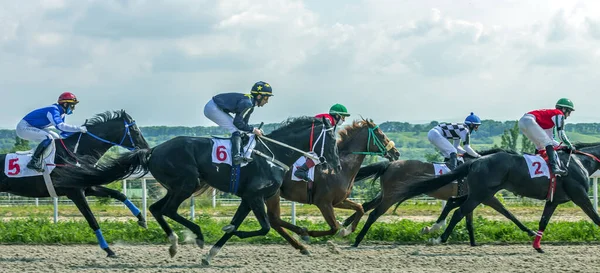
(76, 195)
(101, 191)
(169, 209)
(274, 213)
(348, 204)
(236, 221)
(257, 205)
(466, 208)
(452, 203)
(469, 224)
(374, 215)
(497, 205)
(367, 206)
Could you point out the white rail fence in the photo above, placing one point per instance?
(11, 200)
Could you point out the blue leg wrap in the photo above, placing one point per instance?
(131, 207)
(101, 240)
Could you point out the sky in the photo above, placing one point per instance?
(388, 60)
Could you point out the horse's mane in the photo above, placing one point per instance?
(491, 151)
(106, 116)
(349, 131)
(300, 122)
(586, 145)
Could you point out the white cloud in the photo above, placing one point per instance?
(372, 55)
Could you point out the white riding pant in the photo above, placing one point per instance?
(532, 130)
(218, 116)
(438, 140)
(28, 132)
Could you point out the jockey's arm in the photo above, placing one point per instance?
(58, 123)
(467, 144)
(560, 129)
(241, 120)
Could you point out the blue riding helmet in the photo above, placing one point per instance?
(473, 119)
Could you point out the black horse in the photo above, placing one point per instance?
(509, 171)
(105, 130)
(183, 165)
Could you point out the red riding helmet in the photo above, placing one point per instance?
(67, 97)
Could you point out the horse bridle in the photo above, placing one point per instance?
(383, 149)
(120, 144)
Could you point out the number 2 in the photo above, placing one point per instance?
(221, 153)
(539, 166)
(13, 167)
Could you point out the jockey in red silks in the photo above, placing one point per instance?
(336, 116)
(538, 127)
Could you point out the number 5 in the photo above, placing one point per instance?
(13, 167)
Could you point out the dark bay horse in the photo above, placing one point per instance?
(504, 170)
(183, 165)
(331, 189)
(105, 130)
(397, 176)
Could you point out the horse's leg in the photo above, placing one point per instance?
(236, 221)
(156, 210)
(383, 206)
(274, 213)
(101, 191)
(329, 215)
(452, 203)
(349, 204)
(76, 195)
(367, 206)
(499, 207)
(170, 207)
(257, 205)
(469, 205)
(469, 224)
(548, 211)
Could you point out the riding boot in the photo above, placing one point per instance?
(452, 161)
(236, 148)
(36, 162)
(302, 171)
(553, 162)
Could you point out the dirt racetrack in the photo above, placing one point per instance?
(282, 258)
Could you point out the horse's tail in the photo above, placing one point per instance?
(374, 170)
(430, 185)
(105, 172)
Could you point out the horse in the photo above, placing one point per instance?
(395, 177)
(105, 130)
(183, 166)
(505, 170)
(330, 190)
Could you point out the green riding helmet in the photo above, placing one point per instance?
(338, 109)
(565, 103)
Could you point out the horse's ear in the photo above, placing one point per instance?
(85, 123)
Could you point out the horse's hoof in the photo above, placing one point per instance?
(539, 250)
(305, 252)
(425, 230)
(435, 241)
(113, 256)
(143, 224)
(109, 253)
(228, 228)
(305, 238)
(173, 250)
(205, 261)
(474, 245)
(200, 243)
(355, 245)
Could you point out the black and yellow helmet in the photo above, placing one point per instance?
(262, 88)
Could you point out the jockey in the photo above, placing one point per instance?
(538, 127)
(440, 135)
(218, 110)
(35, 126)
(336, 116)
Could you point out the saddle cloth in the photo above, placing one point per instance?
(537, 166)
(15, 165)
(221, 150)
(298, 163)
